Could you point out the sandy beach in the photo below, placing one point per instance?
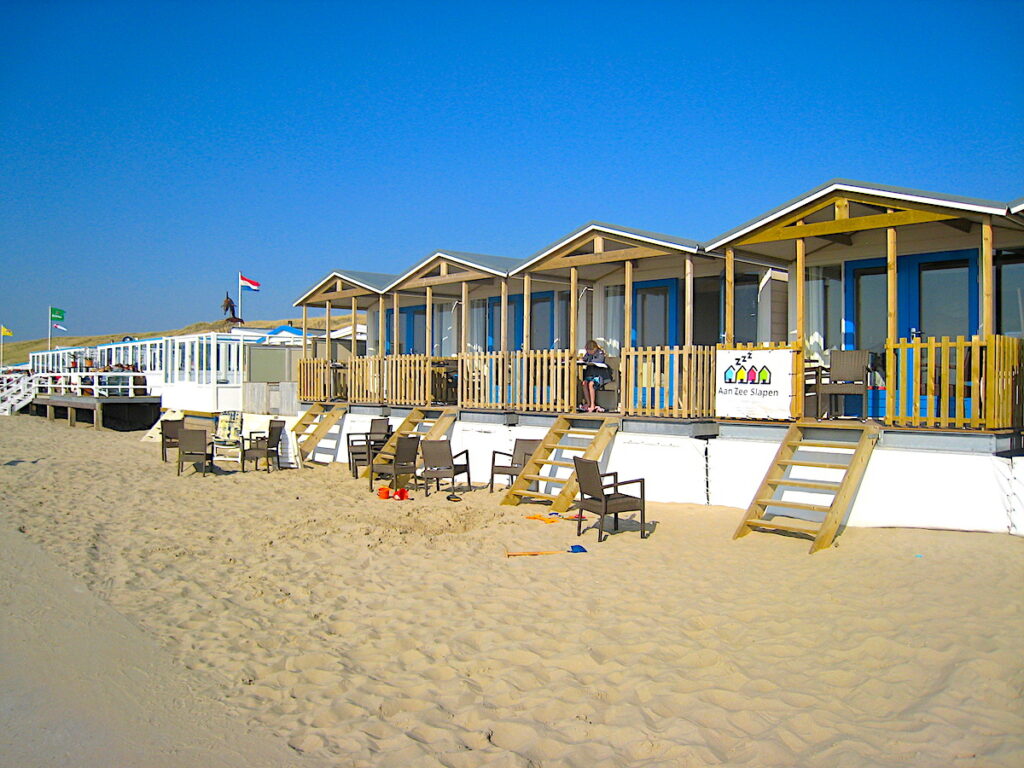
(304, 621)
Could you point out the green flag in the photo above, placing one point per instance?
(56, 315)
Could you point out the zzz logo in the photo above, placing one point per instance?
(742, 373)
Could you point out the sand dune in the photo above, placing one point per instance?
(367, 632)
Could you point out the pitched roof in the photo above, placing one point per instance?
(496, 265)
(1017, 206)
(655, 238)
(972, 204)
(372, 281)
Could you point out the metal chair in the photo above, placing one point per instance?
(170, 429)
(595, 498)
(521, 453)
(192, 445)
(257, 448)
(363, 446)
(438, 464)
(404, 462)
(847, 375)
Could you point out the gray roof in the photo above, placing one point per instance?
(1017, 206)
(955, 201)
(374, 281)
(493, 263)
(681, 242)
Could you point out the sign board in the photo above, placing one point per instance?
(753, 383)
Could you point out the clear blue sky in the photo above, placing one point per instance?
(149, 151)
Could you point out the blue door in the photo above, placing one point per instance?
(515, 326)
(412, 328)
(655, 324)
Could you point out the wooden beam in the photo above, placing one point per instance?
(526, 311)
(429, 324)
(890, 284)
(504, 315)
(464, 311)
(305, 331)
(327, 333)
(688, 301)
(730, 297)
(856, 224)
(574, 300)
(842, 208)
(801, 293)
(354, 344)
(604, 257)
(458, 277)
(381, 327)
(396, 346)
(988, 310)
(627, 305)
(348, 293)
(443, 267)
(598, 244)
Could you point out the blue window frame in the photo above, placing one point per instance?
(413, 323)
(641, 335)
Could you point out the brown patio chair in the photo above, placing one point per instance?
(438, 464)
(595, 498)
(521, 453)
(404, 462)
(264, 446)
(363, 446)
(169, 431)
(847, 375)
(192, 446)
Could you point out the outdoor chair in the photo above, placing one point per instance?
(521, 453)
(363, 446)
(847, 375)
(192, 446)
(170, 429)
(227, 436)
(404, 462)
(264, 447)
(438, 464)
(596, 498)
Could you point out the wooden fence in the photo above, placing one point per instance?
(544, 380)
(958, 383)
(407, 379)
(677, 382)
(483, 380)
(366, 380)
(315, 380)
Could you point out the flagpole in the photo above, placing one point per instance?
(240, 297)
(49, 329)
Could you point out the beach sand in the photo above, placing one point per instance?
(296, 607)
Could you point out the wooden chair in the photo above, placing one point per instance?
(170, 429)
(406, 449)
(192, 445)
(595, 498)
(438, 464)
(521, 453)
(257, 448)
(847, 375)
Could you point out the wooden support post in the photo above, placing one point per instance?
(429, 324)
(97, 421)
(526, 311)
(464, 325)
(72, 415)
(627, 304)
(890, 284)
(381, 327)
(801, 295)
(50, 413)
(688, 303)
(988, 311)
(353, 337)
(730, 297)
(574, 301)
(396, 346)
(305, 331)
(327, 333)
(504, 315)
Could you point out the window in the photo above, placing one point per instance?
(870, 308)
(1010, 293)
(614, 319)
(825, 306)
(707, 310)
(745, 309)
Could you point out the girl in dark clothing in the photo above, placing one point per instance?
(595, 375)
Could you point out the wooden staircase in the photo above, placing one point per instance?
(820, 449)
(436, 420)
(590, 436)
(321, 417)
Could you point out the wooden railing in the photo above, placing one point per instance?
(965, 383)
(677, 382)
(483, 380)
(543, 380)
(366, 380)
(407, 379)
(321, 381)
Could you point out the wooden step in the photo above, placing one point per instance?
(559, 447)
(535, 495)
(553, 463)
(547, 479)
(824, 444)
(779, 526)
(819, 485)
(816, 464)
(575, 431)
(793, 505)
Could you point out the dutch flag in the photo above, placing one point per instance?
(245, 284)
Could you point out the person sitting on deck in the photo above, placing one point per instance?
(596, 374)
